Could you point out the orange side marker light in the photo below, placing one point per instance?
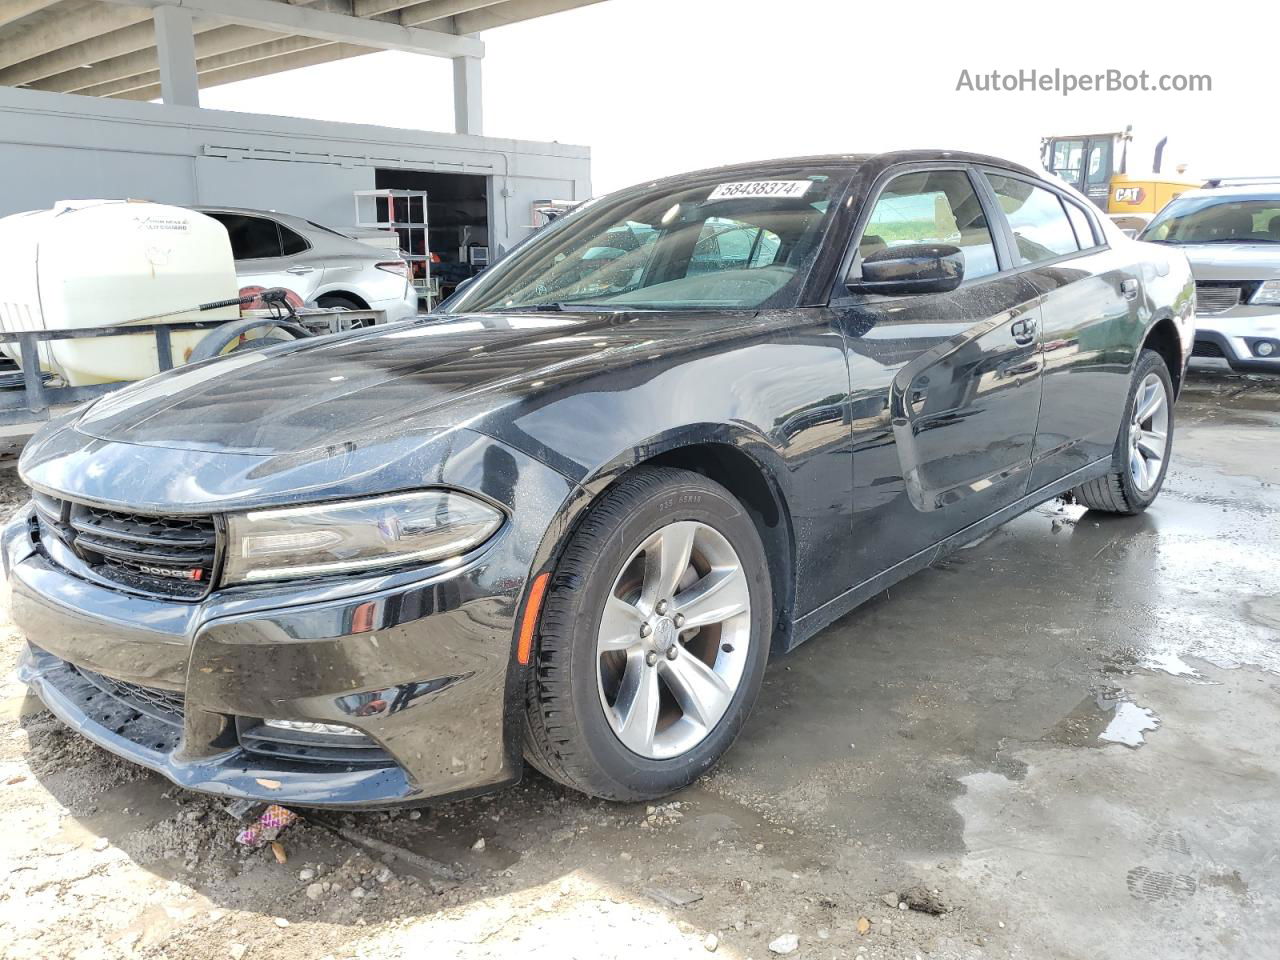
(529, 622)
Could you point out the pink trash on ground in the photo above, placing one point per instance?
(274, 819)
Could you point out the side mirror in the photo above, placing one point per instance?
(911, 269)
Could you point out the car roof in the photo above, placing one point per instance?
(316, 233)
(250, 211)
(850, 161)
(1239, 191)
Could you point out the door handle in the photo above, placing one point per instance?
(1023, 330)
(1129, 288)
(299, 270)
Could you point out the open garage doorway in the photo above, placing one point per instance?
(457, 221)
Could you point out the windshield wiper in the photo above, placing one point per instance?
(563, 306)
(529, 308)
(1234, 240)
(597, 307)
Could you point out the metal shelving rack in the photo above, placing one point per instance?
(405, 212)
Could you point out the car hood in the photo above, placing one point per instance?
(420, 376)
(1233, 261)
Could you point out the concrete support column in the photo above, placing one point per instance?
(176, 49)
(468, 109)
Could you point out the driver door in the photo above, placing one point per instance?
(946, 386)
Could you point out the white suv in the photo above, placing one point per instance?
(317, 263)
(1230, 231)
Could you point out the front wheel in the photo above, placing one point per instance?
(653, 639)
(1143, 446)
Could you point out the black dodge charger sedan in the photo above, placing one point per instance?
(568, 518)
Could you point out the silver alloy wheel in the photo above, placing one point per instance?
(1148, 433)
(673, 640)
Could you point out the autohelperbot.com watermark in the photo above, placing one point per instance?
(1067, 82)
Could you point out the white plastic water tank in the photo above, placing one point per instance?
(100, 263)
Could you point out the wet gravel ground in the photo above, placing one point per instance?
(1064, 738)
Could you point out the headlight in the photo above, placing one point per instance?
(1268, 293)
(355, 535)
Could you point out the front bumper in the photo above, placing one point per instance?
(421, 671)
(150, 741)
(420, 662)
(1229, 335)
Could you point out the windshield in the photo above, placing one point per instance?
(713, 243)
(1217, 220)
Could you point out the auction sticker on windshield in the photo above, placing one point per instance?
(761, 188)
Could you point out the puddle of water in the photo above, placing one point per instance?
(1128, 724)
(1170, 663)
(1106, 716)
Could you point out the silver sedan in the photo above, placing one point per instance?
(317, 263)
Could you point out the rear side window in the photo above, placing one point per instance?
(1083, 226)
(252, 238)
(291, 242)
(932, 206)
(1041, 230)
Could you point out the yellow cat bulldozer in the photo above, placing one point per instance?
(1110, 169)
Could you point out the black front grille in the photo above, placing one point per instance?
(166, 705)
(299, 746)
(165, 556)
(1206, 348)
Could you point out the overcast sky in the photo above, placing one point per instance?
(659, 86)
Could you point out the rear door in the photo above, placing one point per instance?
(946, 387)
(1090, 319)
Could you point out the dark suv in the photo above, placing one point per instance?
(569, 518)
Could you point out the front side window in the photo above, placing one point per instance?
(1209, 219)
(252, 238)
(933, 206)
(713, 243)
(1041, 230)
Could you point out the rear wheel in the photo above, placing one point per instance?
(338, 301)
(1143, 446)
(653, 639)
(330, 301)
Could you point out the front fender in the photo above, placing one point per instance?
(687, 437)
(1170, 289)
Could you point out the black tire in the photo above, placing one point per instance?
(332, 301)
(567, 735)
(1117, 492)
